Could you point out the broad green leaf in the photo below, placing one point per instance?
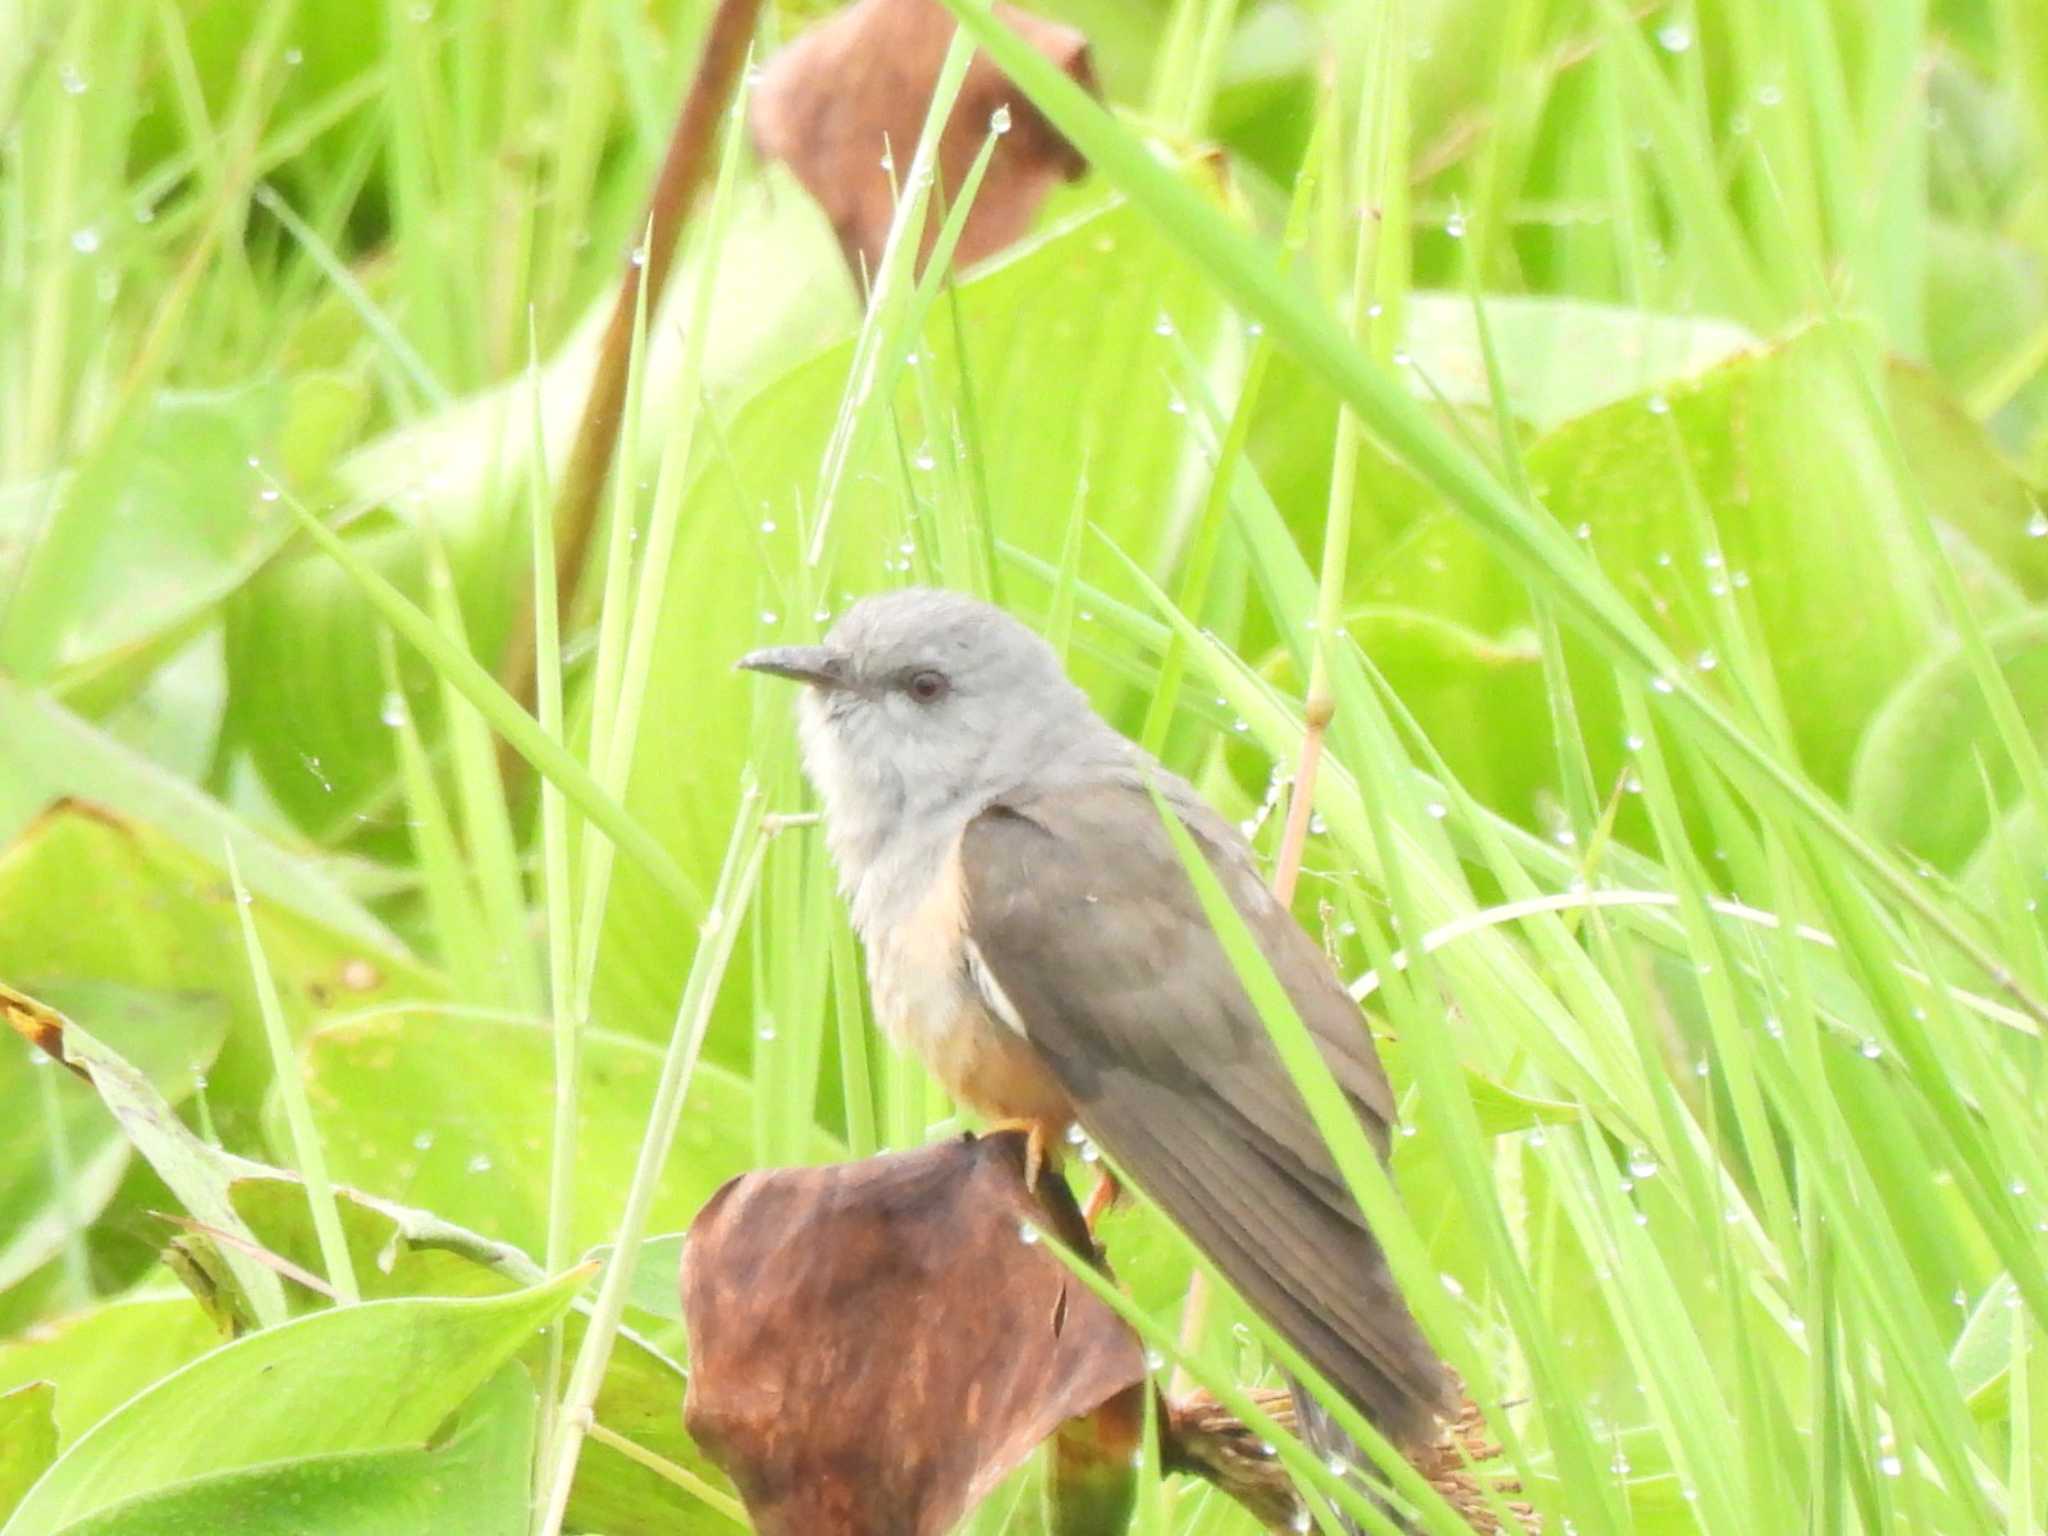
(657, 1274)
(1797, 535)
(1922, 770)
(94, 899)
(378, 1376)
(143, 538)
(54, 756)
(403, 1251)
(101, 1357)
(28, 1439)
(452, 1113)
(475, 1479)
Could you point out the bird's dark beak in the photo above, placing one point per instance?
(811, 664)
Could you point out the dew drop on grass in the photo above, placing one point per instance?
(924, 460)
(1642, 1164)
(1674, 38)
(1891, 1466)
(1659, 406)
(1662, 685)
(73, 82)
(1154, 1360)
(1437, 810)
(1872, 1050)
(999, 120)
(392, 710)
(1454, 226)
(767, 525)
(85, 241)
(423, 1142)
(1027, 1234)
(481, 1163)
(1707, 661)
(2037, 525)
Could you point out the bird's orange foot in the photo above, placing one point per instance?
(1101, 1199)
(1038, 1146)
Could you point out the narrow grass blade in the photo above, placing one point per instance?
(291, 1087)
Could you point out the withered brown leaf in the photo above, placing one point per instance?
(873, 1345)
(857, 86)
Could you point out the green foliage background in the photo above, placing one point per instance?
(1653, 481)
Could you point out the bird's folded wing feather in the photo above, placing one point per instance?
(1080, 909)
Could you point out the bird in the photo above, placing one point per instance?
(1033, 935)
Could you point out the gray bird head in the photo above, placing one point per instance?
(920, 709)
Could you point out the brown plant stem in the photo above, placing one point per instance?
(684, 170)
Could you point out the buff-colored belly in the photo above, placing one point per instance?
(926, 1001)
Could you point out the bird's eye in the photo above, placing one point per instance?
(925, 686)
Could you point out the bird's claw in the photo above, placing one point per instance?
(1038, 1147)
(1101, 1199)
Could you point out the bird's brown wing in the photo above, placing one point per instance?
(1080, 910)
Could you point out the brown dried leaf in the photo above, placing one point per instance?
(858, 86)
(873, 1347)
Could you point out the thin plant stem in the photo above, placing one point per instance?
(298, 1112)
(683, 173)
(740, 874)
